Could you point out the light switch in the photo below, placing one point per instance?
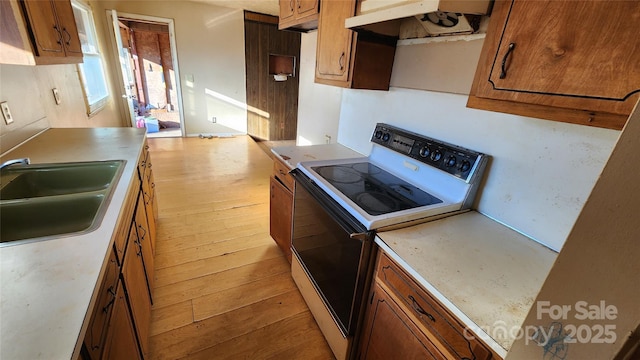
(6, 113)
(56, 96)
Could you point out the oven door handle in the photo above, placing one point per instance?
(362, 236)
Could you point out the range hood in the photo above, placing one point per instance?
(378, 11)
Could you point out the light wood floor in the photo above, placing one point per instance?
(223, 289)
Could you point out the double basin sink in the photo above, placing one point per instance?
(47, 201)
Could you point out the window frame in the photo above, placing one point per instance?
(90, 26)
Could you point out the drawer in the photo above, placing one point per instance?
(441, 326)
(281, 172)
(96, 331)
(142, 162)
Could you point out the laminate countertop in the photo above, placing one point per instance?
(47, 287)
(292, 155)
(485, 273)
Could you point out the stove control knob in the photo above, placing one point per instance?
(451, 161)
(378, 134)
(386, 137)
(436, 155)
(465, 166)
(425, 151)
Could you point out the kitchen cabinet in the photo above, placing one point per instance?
(348, 59)
(571, 61)
(281, 207)
(299, 14)
(97, 329)
(402, 317)
(119, 323)
(14, 40)
(144, 241)
(53, 31)
(149, 194)
(135, 283)
(121, 342)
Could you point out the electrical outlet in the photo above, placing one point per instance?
(214, 119)
(56, 96)
(6, 113)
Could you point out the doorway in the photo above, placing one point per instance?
(148, 60)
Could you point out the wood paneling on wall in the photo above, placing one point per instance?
(272, 105)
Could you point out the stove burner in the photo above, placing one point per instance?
(341, 174)
(366, 168)
(376, 203)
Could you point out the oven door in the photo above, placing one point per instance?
(334, 250)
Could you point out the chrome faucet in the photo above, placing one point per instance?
(23, 161)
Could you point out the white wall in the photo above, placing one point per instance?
(319, 105)
(27, 89)
(210, 46)
(541, 171)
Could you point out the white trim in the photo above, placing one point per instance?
(174, 55)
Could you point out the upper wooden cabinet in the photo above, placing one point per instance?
(299, 14)
(348, 59)
(53, 31)
(572, 61)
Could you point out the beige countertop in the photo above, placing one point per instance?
(47, 287)
(292, 155)
(485, 273)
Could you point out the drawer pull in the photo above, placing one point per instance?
(503, 73)
(419, 309)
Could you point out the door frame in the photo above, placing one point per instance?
(174, 56)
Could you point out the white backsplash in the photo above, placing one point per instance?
(541, 172)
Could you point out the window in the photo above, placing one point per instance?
(92, 73)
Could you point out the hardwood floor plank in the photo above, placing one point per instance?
(203, 334)
(212, 249)
(227, 279)
(208, 266)
(171, 317)
(268, 342)
(243, 295)
(174, 240)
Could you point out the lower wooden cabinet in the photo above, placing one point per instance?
(119, 323)
(403, 321)
(390, 334)
(281, 207)
(121, 342)
(135, 284)
(97, 330)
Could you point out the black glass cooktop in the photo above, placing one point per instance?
(376, 191)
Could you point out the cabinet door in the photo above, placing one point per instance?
(281, 212)
(571, 55)
(149, 195)
(287, 10)
(335, 43)
(97, 329)
(135, 284)
(574, 53)
(390, 334)
(144, 239)
(47, 34)
(67, 24)
(121, 340)
(307, 7)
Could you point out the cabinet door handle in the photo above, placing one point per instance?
(503, 72)
(419, 309)
(68, 41)
(59, 41)
(291, 5)
(144, 231)
(341, 61)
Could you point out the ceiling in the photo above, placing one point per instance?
(270, 7)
